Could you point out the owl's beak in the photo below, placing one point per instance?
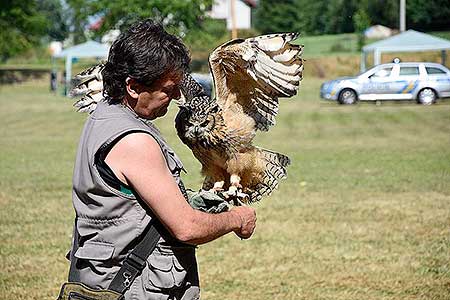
(181, 101)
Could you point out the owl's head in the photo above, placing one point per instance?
(197, 120)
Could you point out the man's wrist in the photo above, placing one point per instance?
(236, 220)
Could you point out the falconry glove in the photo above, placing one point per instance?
(207, 201)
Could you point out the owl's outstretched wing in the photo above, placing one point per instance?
(253, 73)
(90, 86)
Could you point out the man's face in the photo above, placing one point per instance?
(153, 101)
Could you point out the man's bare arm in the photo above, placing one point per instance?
(138, 161)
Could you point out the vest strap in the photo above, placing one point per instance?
(136, 261)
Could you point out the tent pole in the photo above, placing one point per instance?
(376, 57)
(68, 74)
(443, 57)
(362, 64)
(54, 76)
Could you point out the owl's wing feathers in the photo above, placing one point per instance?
(90, 87)
(254, 72)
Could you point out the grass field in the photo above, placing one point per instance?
(364, 214)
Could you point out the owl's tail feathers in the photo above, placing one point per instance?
(275, 170)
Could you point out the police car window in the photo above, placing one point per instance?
(409, 71)
(385, 72)
(434, 71)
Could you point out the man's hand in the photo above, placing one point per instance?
(247, 216)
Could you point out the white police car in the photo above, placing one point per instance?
(421, 81)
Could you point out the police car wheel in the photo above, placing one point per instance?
(426, 96)
(347, 96)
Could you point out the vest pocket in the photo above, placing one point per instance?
(95, 257)
(93, 250)
(168, 270)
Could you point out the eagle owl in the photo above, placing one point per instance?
(249, 77)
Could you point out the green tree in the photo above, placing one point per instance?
(179, 16)
(362, 21)
(78, 19)
(340, 16)
(281, 16)
(337, 16)
(22, 27)
(312, 17)
(57, 25)
(385, 12)
(306, 16)
(428, 14)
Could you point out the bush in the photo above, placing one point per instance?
(337, 47)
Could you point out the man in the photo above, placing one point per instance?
(125, 175)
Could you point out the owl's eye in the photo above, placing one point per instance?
(214, 109)
(204, 123)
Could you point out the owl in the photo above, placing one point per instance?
(249, 75)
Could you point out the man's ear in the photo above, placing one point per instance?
(132, 88)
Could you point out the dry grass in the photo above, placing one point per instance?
(364, 214)
(347, 64)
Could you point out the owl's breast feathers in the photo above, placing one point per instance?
(225, 139)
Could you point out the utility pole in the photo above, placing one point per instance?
(233, 19)
(402, 15)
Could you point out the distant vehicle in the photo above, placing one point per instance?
(421, 81)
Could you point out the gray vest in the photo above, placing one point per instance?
(109, 221)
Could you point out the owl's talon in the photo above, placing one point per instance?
(216, 190)
(218, 187)
(242, 202)
(233, 190)
(235, 181)
(237, 185)
(235, 196)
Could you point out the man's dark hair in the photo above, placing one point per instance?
(145, 52)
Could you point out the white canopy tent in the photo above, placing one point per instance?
(87, 49)
(408, 41)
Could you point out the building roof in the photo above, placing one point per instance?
(378, 31)
(410, 40)
(251, 3)
(88, 49)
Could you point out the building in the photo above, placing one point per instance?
(221, 9)
(378, 32)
